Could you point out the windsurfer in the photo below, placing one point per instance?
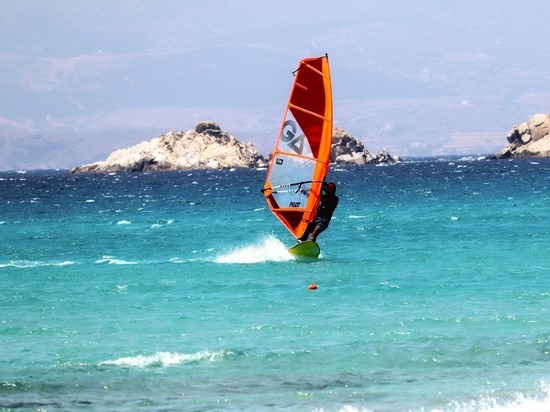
(328, 203)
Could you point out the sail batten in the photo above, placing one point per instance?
(302, 149)
(307, 111)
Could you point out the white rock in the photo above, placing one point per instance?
(206, 147)
(529, 139)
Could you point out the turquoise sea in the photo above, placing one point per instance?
(174, 292)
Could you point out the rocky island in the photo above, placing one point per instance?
(205, 147)
(346, 149)
(529, 139)
(209, 147)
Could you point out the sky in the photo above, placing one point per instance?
(82, 78)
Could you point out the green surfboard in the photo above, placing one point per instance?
(307, 249)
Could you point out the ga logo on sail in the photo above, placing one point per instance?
(288, 135)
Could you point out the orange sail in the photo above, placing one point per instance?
(302, 151)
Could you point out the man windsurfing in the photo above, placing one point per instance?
(328, 203)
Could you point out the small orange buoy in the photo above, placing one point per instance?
(312, 286)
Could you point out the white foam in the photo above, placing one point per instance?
(348, 408)
(65, 263)
(157, 225)
(269, 249)
(519, 403)
(23, 264)
(111, 260)
(163, 359)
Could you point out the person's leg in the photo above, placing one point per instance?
(316, 233)
(309, 229)
(321, 225)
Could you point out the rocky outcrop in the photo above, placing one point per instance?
(346, 149)
(530, 139)
(209, 147)
(206, 147)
